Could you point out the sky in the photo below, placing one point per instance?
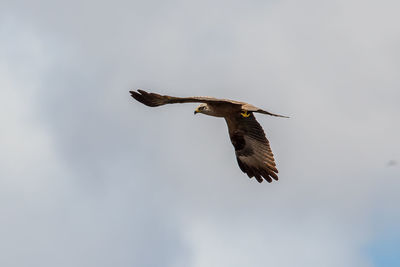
(90, 177)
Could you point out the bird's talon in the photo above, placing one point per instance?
(245, 114)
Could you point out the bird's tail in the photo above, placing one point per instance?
(269, 113)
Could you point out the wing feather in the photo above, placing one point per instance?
(252, 149)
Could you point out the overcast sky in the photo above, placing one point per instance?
(90, 177)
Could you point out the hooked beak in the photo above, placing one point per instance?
(196, 111)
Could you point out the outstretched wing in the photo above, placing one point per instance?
(155, 100)
(252, 149)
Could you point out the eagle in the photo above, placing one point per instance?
(252, 150)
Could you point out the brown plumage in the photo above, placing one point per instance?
(252, 149)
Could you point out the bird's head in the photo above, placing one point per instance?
(202, 108)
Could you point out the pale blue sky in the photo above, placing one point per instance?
(89, 177)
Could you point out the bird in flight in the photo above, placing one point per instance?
(252, 149)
